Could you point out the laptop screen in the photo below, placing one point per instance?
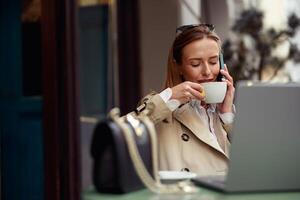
(265, 138)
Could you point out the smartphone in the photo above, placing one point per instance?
(221, 62)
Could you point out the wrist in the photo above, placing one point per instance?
(227, 109)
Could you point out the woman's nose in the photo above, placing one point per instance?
(206, 70)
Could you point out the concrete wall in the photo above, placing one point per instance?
(158, 22)
(216, 12)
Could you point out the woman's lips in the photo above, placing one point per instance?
(206, 80)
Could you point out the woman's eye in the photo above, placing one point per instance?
(213, 63)
(195, 64)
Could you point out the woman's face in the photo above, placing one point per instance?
(200, 61)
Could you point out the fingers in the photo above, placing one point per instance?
(196, 86)
(187, 97)
(226, 74)
(229, 81)
(196, 90)
(197, 95)
(229, 86)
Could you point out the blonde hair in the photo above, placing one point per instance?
(175, 53)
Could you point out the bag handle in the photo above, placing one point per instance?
(153, 184)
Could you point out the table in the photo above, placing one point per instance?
(203, 194)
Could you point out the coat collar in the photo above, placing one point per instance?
(187, 115)
(197, 104)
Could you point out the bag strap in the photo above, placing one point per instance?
(153, 184)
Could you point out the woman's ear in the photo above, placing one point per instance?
(174, 62)
(179, 68)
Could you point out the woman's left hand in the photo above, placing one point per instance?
(226, 105)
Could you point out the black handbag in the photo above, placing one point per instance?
(124, 152)
(113, 169)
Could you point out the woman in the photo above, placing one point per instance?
(192, 135)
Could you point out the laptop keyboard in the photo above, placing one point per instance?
(218, 181)
(215, 179)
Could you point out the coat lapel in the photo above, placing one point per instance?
(189, 118)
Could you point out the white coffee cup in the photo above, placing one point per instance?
(214, 91)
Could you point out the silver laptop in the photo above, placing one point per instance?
(265, 144)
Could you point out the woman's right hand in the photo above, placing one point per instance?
(186, 91)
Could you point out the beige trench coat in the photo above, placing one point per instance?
(185, 143)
